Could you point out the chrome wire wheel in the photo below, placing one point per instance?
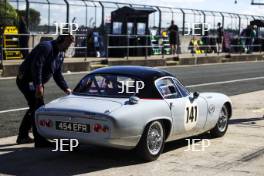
(223, 119)
(155, 137)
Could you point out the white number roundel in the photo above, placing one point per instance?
(190, 115)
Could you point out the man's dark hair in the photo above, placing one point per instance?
(61, 38)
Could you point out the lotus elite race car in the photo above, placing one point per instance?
(133, 107)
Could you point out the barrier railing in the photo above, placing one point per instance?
(2, 55)
(204, 47)
(127, 45)
(145, 44)
(33, 42)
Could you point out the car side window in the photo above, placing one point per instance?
(167, 88)
(182, 89)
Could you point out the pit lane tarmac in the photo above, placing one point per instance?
(239, 152)
(228, 78)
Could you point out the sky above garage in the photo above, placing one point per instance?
(242, 6)
(58, 11)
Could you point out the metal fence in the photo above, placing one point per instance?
(97, 14)
(93, 13)
(206, 48)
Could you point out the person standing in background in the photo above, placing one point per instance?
(220, 37)
(249, 34)
(173, 37)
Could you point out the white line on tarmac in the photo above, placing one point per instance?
(190, 86)
(67, 73)
(210, 64)
(176, 66)
(13, 110)
(7, 78)
(226, 82)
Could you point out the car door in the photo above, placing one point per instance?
(177, 104)
(195, 109)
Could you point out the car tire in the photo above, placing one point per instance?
(151, 143)
(222, 124)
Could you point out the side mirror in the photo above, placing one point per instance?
(133, 100)
(195, 95)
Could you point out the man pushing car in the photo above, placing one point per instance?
(44, 61)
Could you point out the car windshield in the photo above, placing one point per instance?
(108, 85)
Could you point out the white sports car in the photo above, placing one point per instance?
(133, 107)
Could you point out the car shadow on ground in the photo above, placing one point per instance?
(184, 142)
(87, 159)
(30, 161)
(245, 120)
(169, 146)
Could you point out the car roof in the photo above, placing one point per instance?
(141, 72)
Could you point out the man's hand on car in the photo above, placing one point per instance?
(39, 91)
(68, 91)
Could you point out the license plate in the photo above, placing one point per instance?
(76, 127)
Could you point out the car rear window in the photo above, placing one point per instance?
(107, 85)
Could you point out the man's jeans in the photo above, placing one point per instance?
(28, 121)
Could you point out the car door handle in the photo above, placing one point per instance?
(171, 104)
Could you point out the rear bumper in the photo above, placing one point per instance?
(128, 143)
(115, 137)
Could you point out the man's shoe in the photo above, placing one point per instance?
(24, 140)
(44, 144)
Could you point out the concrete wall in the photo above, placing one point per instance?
(143, 62)
(76, 66)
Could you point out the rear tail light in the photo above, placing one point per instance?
(99, 128)
(45, 123)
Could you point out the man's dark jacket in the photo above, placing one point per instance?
(42, 63)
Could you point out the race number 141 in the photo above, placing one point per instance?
(191, 114)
